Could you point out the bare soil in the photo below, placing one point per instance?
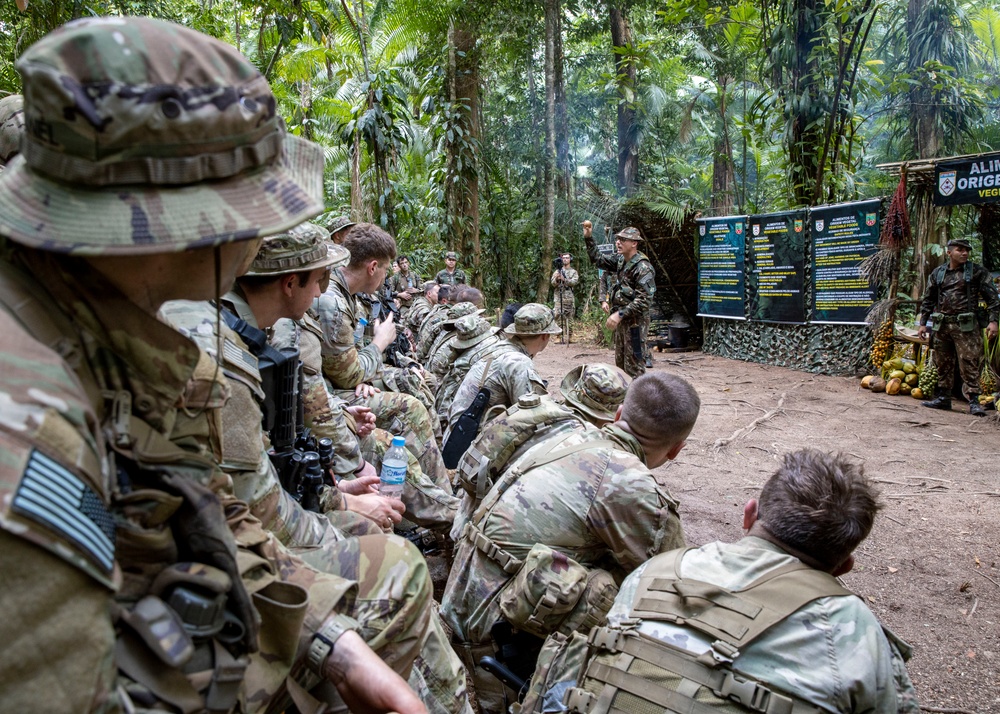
(931, 568)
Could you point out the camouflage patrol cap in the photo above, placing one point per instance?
(143, 136)
(11, 126)
(630, 233)
(338, 224)
(960, 241)
(451, 255)
(459, 310)
(534, 319)
(595, 389)
(305, 247)
(471, 330)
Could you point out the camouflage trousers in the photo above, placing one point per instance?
(381, 581)
(951, 344)
(408, 381)
(427, 504)
(564, 308)
(630, 349)
(402, 415)
(57, 634)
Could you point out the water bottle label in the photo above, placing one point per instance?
(393, 474)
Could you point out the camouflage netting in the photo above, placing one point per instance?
(671, 249)
(823, 349)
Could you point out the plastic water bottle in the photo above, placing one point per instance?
(359, 331)
(393, 469)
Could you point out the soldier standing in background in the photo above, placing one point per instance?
(632, 287)
(951, 299)
(564, 279)
(451, 275)
(405, 285)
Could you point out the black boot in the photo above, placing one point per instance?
(975, 408)
(941, 401)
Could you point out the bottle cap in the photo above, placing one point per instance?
(363, 321)
(399, 441)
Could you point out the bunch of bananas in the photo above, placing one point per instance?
(882, 346)
(928, 379)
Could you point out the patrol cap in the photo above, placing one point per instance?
(11, 126)
(339, 223)
(143, 136)
(305, 247)
(459, 310)
(630, 233)
(595, 389)
(451, 255)
(534, 319)
(963, 242)
(471, 330)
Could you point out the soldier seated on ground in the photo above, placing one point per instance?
(421, 305)
(757, 625)
(561, 525)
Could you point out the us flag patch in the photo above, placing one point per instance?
(54, 496)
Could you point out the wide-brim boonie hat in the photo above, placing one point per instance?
(459, 310)
(303, 248)
(533, 319)
(112, 167)
(596, 389)
(630, 233)
(471, 330)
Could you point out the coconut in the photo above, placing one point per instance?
(866, 383)
(917, 393)
(877, 384)
(892, 386)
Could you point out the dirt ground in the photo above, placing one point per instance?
(931, 568)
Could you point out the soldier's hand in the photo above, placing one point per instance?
(384, 332)
(923, 332)
(366, 683)
(588, 229)
(384, 512)
(613, 320)
(365, 482)
(364, 419)
(606, 307)
(991, 330)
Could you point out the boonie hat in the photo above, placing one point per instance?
(960, 241)
(459, 310)
(143, 136)
(630, 233)
(305, 247)
(471, 330)
(534, 319)
(451, 255)
(11, 126)
(595, 389)
(338, 224)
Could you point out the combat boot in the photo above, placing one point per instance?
(941, 401)
(975, 408)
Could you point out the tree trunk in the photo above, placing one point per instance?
(564, 177)
(534, 111)
(463, 158)
(628, 148)
(723, 171)
(357, 206)
(549, 208)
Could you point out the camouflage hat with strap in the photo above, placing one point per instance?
(471, 330)
(459, 310)
(339, 223)
(11, 126)
(305, 247)
(144, 136)
(534, 319)
(595, 389)
(630, 233)
(451, 255)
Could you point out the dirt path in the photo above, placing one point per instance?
(930, 570)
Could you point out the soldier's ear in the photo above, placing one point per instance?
(618, 413)
(749, 514)
(844, 568)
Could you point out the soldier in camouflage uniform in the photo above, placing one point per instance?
(405, 285)
(591, 497)
(632, 288)
(434, 325)
(563, 280)
(474, 338)
(825, 650)
(350, 370)
(338, 228)
(95, 385)
(451, 275)
(422, 305)
(441, 354)
(952, 290)
(11, 127)
(511, 372)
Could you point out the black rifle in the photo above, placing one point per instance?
(382, 305)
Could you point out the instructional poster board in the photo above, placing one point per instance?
(970, 179)
(842, 237)
(721, 256)
(777, 267)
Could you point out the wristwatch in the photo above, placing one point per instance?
(326, 638)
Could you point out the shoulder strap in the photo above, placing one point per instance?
(486, 372)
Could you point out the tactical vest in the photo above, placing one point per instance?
(185, 623)
(629, 671)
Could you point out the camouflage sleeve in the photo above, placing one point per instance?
(460, 277)
(604, 288)
(555, 274)
(604, 262)
(344, 364)
(634, 515)
(518, 377)
(930, 299)
(437, 278)
(987, 292)
(572, 277)
(324, 414)
(644, 287)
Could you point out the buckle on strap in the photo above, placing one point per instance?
(491, 550)
(754, 695)
(579, 700)
(721, 652)
(606, 639)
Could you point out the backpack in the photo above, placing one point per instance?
(498, 440)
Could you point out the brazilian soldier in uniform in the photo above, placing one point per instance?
(111, 535)
(632, 288)
(951, 299)
(11, 127)
(762, 624)
(564, 279)
(574, 514)
(451, 275)
(405, 285)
